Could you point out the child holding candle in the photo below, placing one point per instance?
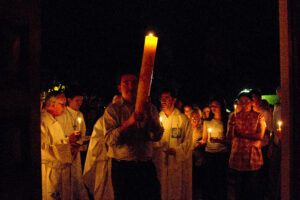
(73, 125)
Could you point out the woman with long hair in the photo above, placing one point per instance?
(216, 156)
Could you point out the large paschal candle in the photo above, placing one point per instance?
(146, 72)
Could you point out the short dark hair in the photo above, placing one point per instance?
(74, 92)
(170, 90)
(125, 72)
(245, 94)
(205, 106)
(255, 92)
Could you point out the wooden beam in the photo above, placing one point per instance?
(285, 79)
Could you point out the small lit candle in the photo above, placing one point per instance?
(79, 123)
(160, 120)
(209, 130)
(235, 106)
(209, 133)
(279, 125)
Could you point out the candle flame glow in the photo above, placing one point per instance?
(235, 106)
(79, 120)
(151, 34)
(160, 119)
(209, 130)
(279, 123)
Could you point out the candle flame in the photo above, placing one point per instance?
(209, 130)
(279, 123)
(151, 34)
(235, 106)
(160, 119)
(79, 120)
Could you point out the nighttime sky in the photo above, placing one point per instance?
(204, 48)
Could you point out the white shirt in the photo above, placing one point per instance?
(268, 118)
(69, 121)
(139, 146)
(217, 131)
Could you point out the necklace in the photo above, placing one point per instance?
(74, 124)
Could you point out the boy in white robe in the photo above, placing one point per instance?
(72, 120)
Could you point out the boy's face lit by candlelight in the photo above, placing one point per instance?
(128, 87)
(166, 101)
(75, 102)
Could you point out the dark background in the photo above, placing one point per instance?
(204, 47)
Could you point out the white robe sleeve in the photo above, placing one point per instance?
(97, 149)
(112, 125)
(57, 152)
(96, 174)
(183, 151)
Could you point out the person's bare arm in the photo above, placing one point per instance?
(204, 135)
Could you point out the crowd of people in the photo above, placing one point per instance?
(172, 152)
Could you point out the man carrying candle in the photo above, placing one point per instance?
(72, 122)
(56, 156)
(173, 153)
(130, 143)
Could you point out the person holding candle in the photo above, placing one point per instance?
(129, 137)
(246, 156)
(173, 153)
(274, 152)
(198, 154)
(56, 150)
(258, 106)
(215, 150)
(206, 112)
(231, 115)
(72, 122)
